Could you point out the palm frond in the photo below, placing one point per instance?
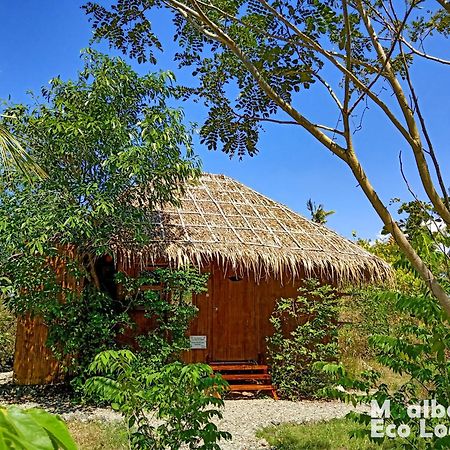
(12, 154)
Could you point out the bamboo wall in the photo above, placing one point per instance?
(34, 362)
(233, 315)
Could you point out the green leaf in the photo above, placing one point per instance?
(55, 427)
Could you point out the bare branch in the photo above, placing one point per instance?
(386, 61)
(408, 114)
(329, 89)
(424, 129)
(348, 65)
(423, 54)
(416, 198)
(286, 122)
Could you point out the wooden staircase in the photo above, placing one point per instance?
(246, 377)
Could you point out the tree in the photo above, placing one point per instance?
(254, 58)
(407, 333)
(318, 213)
(101, 138)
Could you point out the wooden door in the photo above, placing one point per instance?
(234, 334)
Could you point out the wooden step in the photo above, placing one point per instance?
(251, 387)
(238, 367)
(246, 376)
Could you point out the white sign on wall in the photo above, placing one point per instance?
(198, 342)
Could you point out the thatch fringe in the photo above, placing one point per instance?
(220, 220)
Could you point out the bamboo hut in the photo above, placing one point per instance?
(256, 251)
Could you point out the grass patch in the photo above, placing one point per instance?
(355, 366)
(99, 435)
(330, 435)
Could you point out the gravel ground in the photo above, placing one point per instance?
(240, 417)
(243, 417)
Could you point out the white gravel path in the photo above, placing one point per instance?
(242, 418)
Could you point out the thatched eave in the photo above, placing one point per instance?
(220, 220)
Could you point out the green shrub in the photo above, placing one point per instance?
(305, 332)
(103, 139)
(362, 314)
(420, 353)
(183, 398)
(171, 308)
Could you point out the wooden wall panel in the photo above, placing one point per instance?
(201, 325)
(34, 362)
(268, 292)
(235, 316)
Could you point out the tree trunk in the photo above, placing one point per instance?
(400, 238)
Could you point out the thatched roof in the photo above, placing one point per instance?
(220, 219)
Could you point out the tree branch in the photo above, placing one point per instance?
(386, 61)
(416, 198)
(226, 40)
(423, 54)
(286, 122)
(445, 4)
(423, 126)
(408, 114)
(347, 94)
(398, 235)
(374, 97)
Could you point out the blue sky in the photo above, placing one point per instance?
(39, 40)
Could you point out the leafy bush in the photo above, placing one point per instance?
(103, 139)
(420, 351)
(170, 307)
(418, 346)
(89, 321)
(82, 326)
(366, 311)
(7, 338)
(362, 313)
(305, 332)
(33, 429)
(185, 399)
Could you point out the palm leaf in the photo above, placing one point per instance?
(12, 154)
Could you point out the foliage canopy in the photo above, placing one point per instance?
(100, 138)
(255, 60)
